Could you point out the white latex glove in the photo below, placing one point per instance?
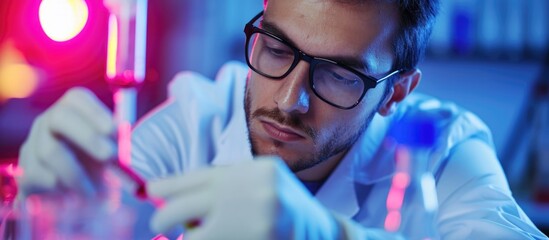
(67, 145)
(254, 200)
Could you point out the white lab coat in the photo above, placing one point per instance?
(202, 124)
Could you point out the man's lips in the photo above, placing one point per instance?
(281, 133)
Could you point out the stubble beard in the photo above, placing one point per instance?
(334, 146)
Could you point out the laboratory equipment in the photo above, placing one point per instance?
(412, 203)
(126, 64)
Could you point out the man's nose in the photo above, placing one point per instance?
(294, 95)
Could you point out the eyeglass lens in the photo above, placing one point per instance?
(330, 82)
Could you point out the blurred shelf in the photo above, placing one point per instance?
(496, 91)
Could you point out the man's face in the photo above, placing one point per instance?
(285, 117)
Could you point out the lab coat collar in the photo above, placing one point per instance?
(339, 193)
(233, 146)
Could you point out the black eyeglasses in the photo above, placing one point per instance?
(335, 83)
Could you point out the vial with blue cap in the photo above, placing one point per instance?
(412, 203)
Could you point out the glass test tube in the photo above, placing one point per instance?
(126, 64)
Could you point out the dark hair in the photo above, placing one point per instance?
(417, 18)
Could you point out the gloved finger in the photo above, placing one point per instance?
(87, 105)
(46, 165)
(71, 126)
(35, 177)
(168, 187)
(35, 180)
(60, 159)
(181, 210)
(27, 152)
(46, 162)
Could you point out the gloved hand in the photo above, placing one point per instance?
(254, 200)
(67, 146)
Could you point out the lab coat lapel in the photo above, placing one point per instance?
(338, 193)
(232, 145)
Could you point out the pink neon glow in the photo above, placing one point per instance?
(13, 171)
(124, 143)
(392, 221)
(162, 237)
(395, 199)
(401, 180)
(34, 204)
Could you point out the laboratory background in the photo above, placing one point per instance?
(489, 56)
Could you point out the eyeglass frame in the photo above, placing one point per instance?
(369, 81)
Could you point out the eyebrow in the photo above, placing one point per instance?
(349, 61)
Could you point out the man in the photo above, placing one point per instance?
(327, 79)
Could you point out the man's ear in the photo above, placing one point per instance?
(404, 85)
